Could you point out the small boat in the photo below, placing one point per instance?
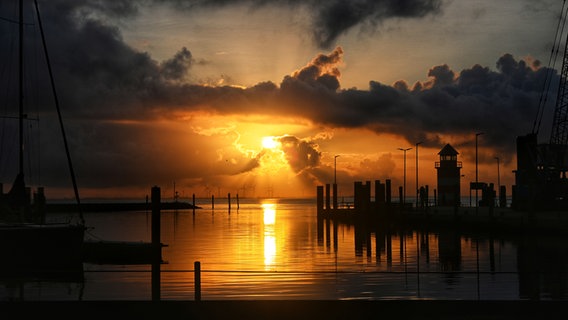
(29, 244)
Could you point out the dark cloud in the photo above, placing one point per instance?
(442, 75)
(300, 154)
(331, 18)
(336, 17)
(177, 67)
(104, 83)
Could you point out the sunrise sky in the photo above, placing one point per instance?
(187, 92)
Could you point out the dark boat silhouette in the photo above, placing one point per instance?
(29, 244)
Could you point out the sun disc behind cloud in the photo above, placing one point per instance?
(269, 142)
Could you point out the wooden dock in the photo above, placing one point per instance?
(388, 212)
(286, 309)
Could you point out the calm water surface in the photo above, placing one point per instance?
(278, 249)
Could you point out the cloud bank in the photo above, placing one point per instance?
(110, 91)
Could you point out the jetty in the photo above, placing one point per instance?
(117, 206)
(445, 209)
(384, 211)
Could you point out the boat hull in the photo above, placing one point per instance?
(41, 248)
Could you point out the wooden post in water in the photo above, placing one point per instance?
(238, 205)
(193, 202)
(388, 192)
(156, 244)
(327, 198)
(229, 201)
(334, 196)
(197, 280)
(212, 201)
(319, 192)
(156, 198)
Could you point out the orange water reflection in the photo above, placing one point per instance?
(269, 219)
(274, 249)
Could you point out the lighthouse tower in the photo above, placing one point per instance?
(448, 177)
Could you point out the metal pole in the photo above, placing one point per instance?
(498, 175)
(335, 181)
(498, 183)
(335, 169)
(417, 187)
(404, 183)
(21, 89)
(476, 174)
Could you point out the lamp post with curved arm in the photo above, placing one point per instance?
(476, 176)
(404, 183)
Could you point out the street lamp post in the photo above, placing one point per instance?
(335, 181)
(498, 182)
(476, 175)
(404, 186)
(417, 187)
(335, 169)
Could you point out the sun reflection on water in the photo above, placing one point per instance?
(269, 215)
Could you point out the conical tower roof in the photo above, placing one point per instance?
(448, 150)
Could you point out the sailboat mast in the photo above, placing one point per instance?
(67, 153)
(21, 85)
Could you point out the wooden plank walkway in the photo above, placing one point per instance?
(286, 309)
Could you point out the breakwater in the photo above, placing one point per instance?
(117, 206)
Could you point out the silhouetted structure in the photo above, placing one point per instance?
(29, 245)
(448, 177)
(540, 178)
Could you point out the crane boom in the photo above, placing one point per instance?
(559, 133)
(540, 178)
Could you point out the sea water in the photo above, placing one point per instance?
(278, 249)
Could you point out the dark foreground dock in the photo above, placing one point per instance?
(286, 309)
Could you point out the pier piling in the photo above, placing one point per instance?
(156, 244)
(197, 280)
(319, 200)
(156, 199)
(327, 198)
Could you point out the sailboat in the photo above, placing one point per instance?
(29, 243)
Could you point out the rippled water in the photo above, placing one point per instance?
(277, 249)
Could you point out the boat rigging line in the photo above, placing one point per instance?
(54, 91)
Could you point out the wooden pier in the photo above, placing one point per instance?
(383, 211)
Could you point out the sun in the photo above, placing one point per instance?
(269, 142)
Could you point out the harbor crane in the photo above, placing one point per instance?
(540, 178)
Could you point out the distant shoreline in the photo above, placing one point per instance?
(116, 206)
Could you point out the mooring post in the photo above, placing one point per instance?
(212, 201)
(229, 201)
(193, 202)
(197, 280)
(327, 198)
(238, 205)
(156, 216)
(319, 192)
(156, 244)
